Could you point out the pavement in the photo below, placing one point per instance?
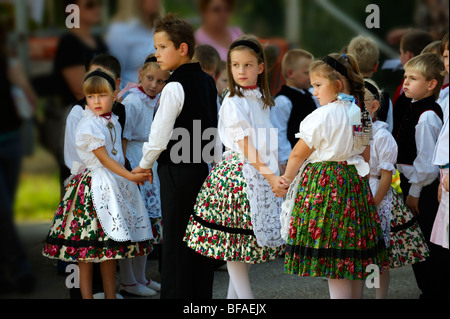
(268, 280)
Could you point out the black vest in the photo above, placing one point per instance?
(407, 148)
(401, 106)
(302, 106)
(199, 113)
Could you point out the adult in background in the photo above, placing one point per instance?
(130, 35)
(215, 29)
(15, 269)
(76, 49)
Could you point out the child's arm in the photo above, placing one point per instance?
(383, 187)
(124, 147)
(252, 155)
(299, 155)
(113, 166)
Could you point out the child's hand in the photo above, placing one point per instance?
(413, 204)
(149, 172)
(279, 186)
(446, 182)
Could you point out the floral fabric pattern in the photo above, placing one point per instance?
(222, 227)
(335, 230)
(76, 233)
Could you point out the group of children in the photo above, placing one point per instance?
(307, 174)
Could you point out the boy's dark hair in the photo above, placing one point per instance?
(108, 62)
(415, 41)
(179, 31)
(208, 57)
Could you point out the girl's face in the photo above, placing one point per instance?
(372, 104)
(153, 80)
(100, 103)
(446, 60)
(245, 68)
(325, 90)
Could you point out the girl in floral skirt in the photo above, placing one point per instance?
(402, 235)
(329, 218)
(236, 215)
(102, 217)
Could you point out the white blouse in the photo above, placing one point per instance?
(246, 117)
(140, 109)
(70, 150)
(383, 150)
(328, 131)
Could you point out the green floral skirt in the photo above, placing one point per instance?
(335, 229)
(221, 227)
(76, 233)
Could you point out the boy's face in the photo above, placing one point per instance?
(416, 86)
(299, 78)
(405, 56)
(169, 58)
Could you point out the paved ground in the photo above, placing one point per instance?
(268, 280)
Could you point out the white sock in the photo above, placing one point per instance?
(381, 293)
(139, 266)
(126, 272)
(239, 281)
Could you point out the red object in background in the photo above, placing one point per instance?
(42, 48)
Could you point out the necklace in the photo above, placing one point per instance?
(111, 127)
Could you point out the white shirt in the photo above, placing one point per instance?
(70, 150)
(130, 42)
(328, 131)
(383, 150)
(140, 109)
(443, 99)
(246, 117)
(441, 155)
(422, 172)
(171, 105)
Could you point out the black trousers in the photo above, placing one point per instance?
(432, 275)
(184, 273)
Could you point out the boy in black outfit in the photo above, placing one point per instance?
(188, 108)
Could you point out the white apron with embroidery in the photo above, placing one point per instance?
(117, 201)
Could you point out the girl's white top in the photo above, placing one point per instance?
(117, 201)
(140, 109)
(383, 156)
(328, 131)
(245, 117)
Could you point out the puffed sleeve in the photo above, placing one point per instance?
(235, 120)
(312, 130)
(387, 151)
(89, 136)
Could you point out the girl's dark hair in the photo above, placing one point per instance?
(354, 79)
(444, 43)
(263, 82)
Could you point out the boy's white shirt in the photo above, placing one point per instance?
(171, 105)
(422, 173)
(70, 150)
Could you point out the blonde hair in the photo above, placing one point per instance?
(354, 78)
(433, 47)
(97, 84)
(292, 60)
(263, 82)
(366, 52)
(431, 67)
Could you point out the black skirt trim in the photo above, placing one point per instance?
(309, 252)
(86, 243)
(223, 228)
(405, 226)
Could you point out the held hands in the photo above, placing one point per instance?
(279, 185)
(413, 204)
(142, 175)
